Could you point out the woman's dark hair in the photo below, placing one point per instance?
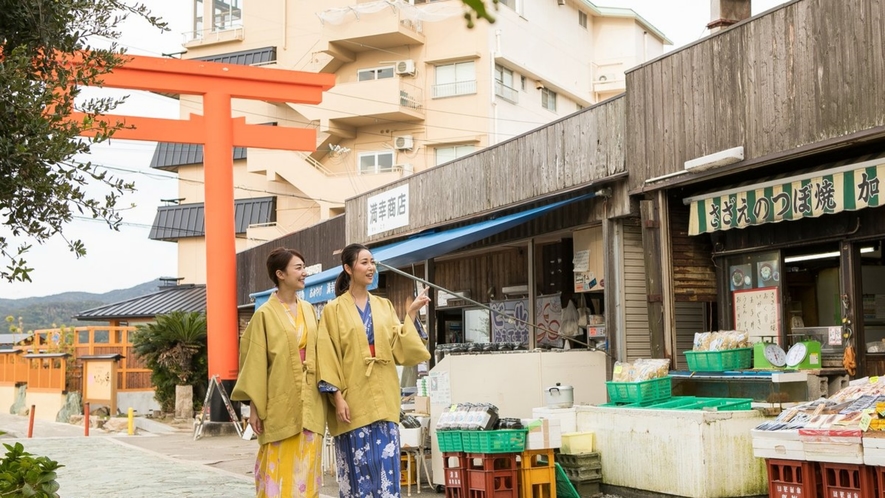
(279, 259)
(348, 257)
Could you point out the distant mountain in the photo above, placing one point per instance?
(56, 310)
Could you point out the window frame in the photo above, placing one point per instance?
(376, 71)
(377, 167)
(455, 154)
(582, 19)
(502, 89)
(460, 87)
(546, 95)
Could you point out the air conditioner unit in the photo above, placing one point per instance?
(406, 67)
(606, 78)
(404, 142)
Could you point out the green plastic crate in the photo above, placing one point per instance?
(449, 441)
(497, 441)
(674, 403)
(640, 392)
(719, 361)
(564, 487)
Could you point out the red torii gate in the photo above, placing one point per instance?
(218, 132)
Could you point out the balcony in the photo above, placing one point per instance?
(352, 105)
(454, 89)
(608, 77)
(348, 32)
(207, 37)
(506, 93)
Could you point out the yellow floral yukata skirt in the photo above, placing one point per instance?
(290, 468)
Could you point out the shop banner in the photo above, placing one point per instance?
(548, 316)
(504, 328)
(811, 195)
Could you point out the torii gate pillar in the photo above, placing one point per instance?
(218, 132)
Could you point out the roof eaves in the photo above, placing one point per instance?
(629, 14)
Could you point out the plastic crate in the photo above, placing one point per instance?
(498, 441)
(564, 487)
(640, 392)
(848, 480)
(493, 483)
(793, 478)
(719, 361)
(449, 441)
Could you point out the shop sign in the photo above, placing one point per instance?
(847, 188)
(388, 210)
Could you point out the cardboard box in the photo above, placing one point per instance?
(422, 404)
(543, 433)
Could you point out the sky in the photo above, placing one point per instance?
(117, 260)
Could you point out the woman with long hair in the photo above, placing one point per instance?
(361, 340)
(278, 365)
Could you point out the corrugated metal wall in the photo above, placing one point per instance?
(635, 295)
(689, 319)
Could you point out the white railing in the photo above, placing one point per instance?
(453, 89)
(214, 35)
(506, 93)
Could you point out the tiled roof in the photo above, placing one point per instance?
(176, 298)
(187, 220)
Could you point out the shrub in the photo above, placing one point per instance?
(22, 474)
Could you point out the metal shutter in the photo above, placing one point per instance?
(635, 296)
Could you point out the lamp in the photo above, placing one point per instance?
(715, 160)
(823, 255)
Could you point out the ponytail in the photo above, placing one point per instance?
(342, 283)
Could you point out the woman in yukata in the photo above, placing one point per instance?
(278, 359)
(361, 341)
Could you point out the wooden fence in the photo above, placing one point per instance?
(52, 359)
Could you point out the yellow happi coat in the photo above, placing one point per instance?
(370, 385)
(282, 389)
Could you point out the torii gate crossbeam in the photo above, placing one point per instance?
(218, 132)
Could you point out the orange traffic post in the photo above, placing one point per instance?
(86, 419)
(31, 421)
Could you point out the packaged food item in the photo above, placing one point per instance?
(640, 370)
(721, 340)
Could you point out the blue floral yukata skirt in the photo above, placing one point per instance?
(368, 461)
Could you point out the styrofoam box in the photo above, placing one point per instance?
(818, 451)
(544, 433)
(576, 443)
(778, 444)
(409, 437)
(874, 449)
(568, 417)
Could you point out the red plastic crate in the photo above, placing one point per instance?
(492, 483)
(793, 479)
(846, 480)
(455, 472)
(492, 461)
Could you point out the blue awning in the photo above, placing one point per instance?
(321, 287)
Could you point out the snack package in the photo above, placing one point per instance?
(721, 340)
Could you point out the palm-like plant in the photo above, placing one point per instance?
(174, 348)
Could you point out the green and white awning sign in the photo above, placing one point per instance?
(847, 188)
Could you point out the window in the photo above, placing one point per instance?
(548, 99)
(582, 19)
(455, 79)
(198, 17)
(446, 154)
(377, 73)
(509, 3)
(228, 14)
(522, 82)
(504, 84)
(376, 162)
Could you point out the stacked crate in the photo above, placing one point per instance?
(492, 475)
(537, 474)
(584, 471)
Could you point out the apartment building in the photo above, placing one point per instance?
(415, 88)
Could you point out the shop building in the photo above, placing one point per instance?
(757, 155)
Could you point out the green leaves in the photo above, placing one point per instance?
(41, 183)
(477, 10)
(174, 348)
(23, 475)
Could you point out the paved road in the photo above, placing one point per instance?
(163, 463)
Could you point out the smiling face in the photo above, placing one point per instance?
(362, 272)
(293, 275)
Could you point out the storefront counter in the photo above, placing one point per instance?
(691, 453)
